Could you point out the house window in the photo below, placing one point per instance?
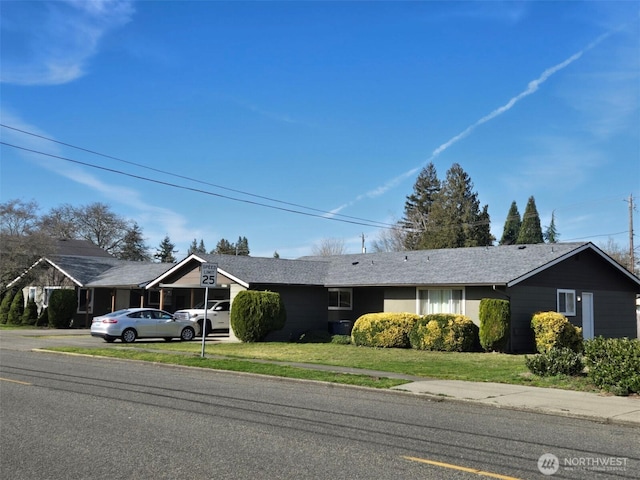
(85, 300)
(154, 297)
(440, 300)
(47, 294)
(32, 293)
(567, 302)
(340, 298)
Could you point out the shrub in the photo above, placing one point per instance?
(614, 364)
(387, 330)
(254, 314)
(43, 318)
(5, 305)
(445, 333)
(63, 303)
(341, 339)
(553, 330)
(557, 361)
(30, 314)
(495, 321)
(16, 309)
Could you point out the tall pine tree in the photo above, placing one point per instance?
(418, 207)
(551, 234)
(511, 226)
(165, 251)
(455, 219)
(133, 246)
(530, 230)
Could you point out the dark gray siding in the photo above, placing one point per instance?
(613, 298)
(306, 310)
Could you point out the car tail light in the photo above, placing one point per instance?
(109, 320)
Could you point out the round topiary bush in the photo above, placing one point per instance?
(63, 304)
(553, 330)
(254, 314)
(386, 330)
(445, 333)
(495, 321)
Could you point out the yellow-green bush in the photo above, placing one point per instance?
(553, 330)
(445, 333)
(386, 330)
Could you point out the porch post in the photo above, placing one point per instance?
(161, 298)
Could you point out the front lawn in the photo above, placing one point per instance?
(477, 367)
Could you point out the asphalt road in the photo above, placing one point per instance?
(73, 417)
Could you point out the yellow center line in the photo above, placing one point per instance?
(458, 467)
(15, 381)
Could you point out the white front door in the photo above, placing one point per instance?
(587, 315)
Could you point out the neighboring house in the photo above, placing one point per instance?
(102, 283)
(576, 279)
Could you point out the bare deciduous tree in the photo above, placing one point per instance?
(329, 246)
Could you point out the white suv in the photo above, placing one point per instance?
(217, 315)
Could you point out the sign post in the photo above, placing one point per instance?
(208, 278)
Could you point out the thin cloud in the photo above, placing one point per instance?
(532, 87)
(54, 42)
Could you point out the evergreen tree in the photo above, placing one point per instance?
(134, 247)
(276, 254)
(242, 247)
(193, 248)
(455, 219)
(511, 226)
(16, 309)
(30, 314)
(418, 207)
(225, 247)
(530, 230)
(201, 247)
(165, 251)
(5, 306)
(551, 234)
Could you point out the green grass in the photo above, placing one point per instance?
(249, 357)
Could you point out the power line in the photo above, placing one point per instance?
(191, 179)
(366, 223)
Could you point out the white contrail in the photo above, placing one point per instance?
(532, 87)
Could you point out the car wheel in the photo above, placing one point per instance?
(109, 339)
(168, 339)
(208, 330)
(129, 335)
(187, 334)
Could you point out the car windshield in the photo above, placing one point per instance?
(201, 304)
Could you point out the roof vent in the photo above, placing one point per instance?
(354, 263)
(406, 258)
(522, 247)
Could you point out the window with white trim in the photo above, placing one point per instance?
(340, 299)
(440, 300)
(47, 294)
(567, 302)
(32, 293)
(85, 300)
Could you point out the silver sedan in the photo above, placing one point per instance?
(132, 323)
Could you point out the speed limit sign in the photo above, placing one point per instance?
(208, 274)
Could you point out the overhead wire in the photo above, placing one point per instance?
(196, 180)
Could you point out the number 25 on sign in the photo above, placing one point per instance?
(208, 274)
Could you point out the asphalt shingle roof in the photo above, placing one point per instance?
(452, 266)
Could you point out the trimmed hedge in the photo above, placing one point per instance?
(16, 310)
(386, 330)
(553, 330)
(5, 305)
(557, 361)
(254, 314)
(63, 304)
(495, 321)
(444, 332)
(30, 314)
(614, 364)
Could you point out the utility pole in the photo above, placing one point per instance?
(632, 260)
(364, 249)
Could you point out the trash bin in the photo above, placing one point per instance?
(344, 327)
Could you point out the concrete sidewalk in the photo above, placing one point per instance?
(593, 406)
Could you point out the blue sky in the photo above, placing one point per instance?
(326, 108)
